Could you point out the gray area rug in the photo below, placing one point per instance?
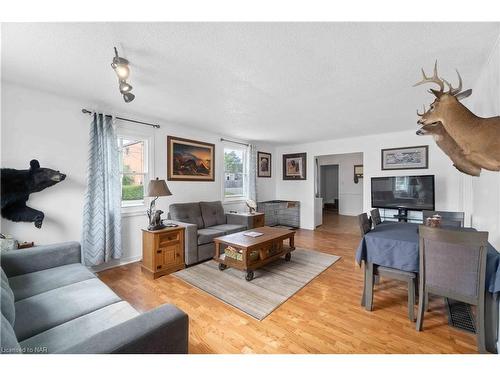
(271, 286)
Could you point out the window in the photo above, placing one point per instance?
(133, 168)
(235, 173)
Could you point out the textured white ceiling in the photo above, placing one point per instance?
(276, 82)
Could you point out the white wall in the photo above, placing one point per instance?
(53, 130)
(350, 194)
(448, 179)
(266, 186)
(482, 193)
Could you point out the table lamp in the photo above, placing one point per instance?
(156, 188)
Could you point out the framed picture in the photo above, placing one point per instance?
(294, 166)
(416, 157)
(189, 160)
(263, 164)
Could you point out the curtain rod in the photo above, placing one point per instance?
(86, 111)
(239, 143)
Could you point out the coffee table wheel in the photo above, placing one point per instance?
(249, 276)
(288, 257)
(222, 266)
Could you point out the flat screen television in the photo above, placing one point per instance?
(403, 192)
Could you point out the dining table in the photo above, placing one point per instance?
(395, 245)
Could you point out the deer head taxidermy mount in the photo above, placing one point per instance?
(470, 141)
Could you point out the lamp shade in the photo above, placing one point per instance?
(158, 188)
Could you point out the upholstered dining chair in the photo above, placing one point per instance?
(453, 265)
(449, 218)
(365, 225)
(375, 216)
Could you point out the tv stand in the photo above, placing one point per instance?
(402, 215)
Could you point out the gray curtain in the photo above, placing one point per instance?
(101, 238)
(252, 172)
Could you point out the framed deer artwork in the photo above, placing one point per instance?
(416, 157)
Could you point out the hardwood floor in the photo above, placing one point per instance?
(324, 317)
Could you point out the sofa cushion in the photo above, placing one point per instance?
(30, 284)
(8, 340)
(212, 213)
(228, 228)
(7, 300)
(54, 307)
(207, 235)
(187, 213)
(80, 329)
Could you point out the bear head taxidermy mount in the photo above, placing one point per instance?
(477, 138)
(17, 185)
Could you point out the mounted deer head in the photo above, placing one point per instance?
(450, 148)
(477, 138)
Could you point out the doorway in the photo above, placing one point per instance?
(329, 187)
(338, 193)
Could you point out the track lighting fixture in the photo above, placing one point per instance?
(121, 67)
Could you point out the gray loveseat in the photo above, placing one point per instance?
(51, 303)
(204, 221)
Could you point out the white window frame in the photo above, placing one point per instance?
(244, 197)
(138, 207)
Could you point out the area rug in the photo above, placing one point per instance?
(272, 285)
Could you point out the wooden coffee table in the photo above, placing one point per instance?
(256, 252)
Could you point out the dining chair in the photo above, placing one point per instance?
(365, 224)
(453, 265)
(450, 218)
(375, 216)
(373, 273)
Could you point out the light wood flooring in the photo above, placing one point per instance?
(323, 317)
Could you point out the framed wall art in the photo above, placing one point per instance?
(189, 160)
(295, 166)
(263, 164)
(416, 157)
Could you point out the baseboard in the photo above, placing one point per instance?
(348, 213)
(116, 263)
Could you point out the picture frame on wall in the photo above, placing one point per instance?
(263, 164)
(295, 166)
(416, 157)
(190, 160)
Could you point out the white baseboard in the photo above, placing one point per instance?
(116, 263)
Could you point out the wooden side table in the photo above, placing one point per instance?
(162, 251)
(256, 219)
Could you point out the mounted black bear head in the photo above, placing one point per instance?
(42, 178)
(18, 184)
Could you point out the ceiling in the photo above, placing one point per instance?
(275, 82)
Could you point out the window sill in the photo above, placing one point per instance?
(234, 200)
(134, 210)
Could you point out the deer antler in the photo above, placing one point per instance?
(453, 91)
(434, 79)
(423, 112)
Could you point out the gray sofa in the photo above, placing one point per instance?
(204, 221)
(51, 303)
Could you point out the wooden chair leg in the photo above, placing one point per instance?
(421, 307)
(369, 286)
(363, 297)
(411, 299)
(481, 334)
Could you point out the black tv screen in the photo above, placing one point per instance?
(406, 192)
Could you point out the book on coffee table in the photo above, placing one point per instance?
(253, 234)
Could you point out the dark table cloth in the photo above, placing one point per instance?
(395, 245)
